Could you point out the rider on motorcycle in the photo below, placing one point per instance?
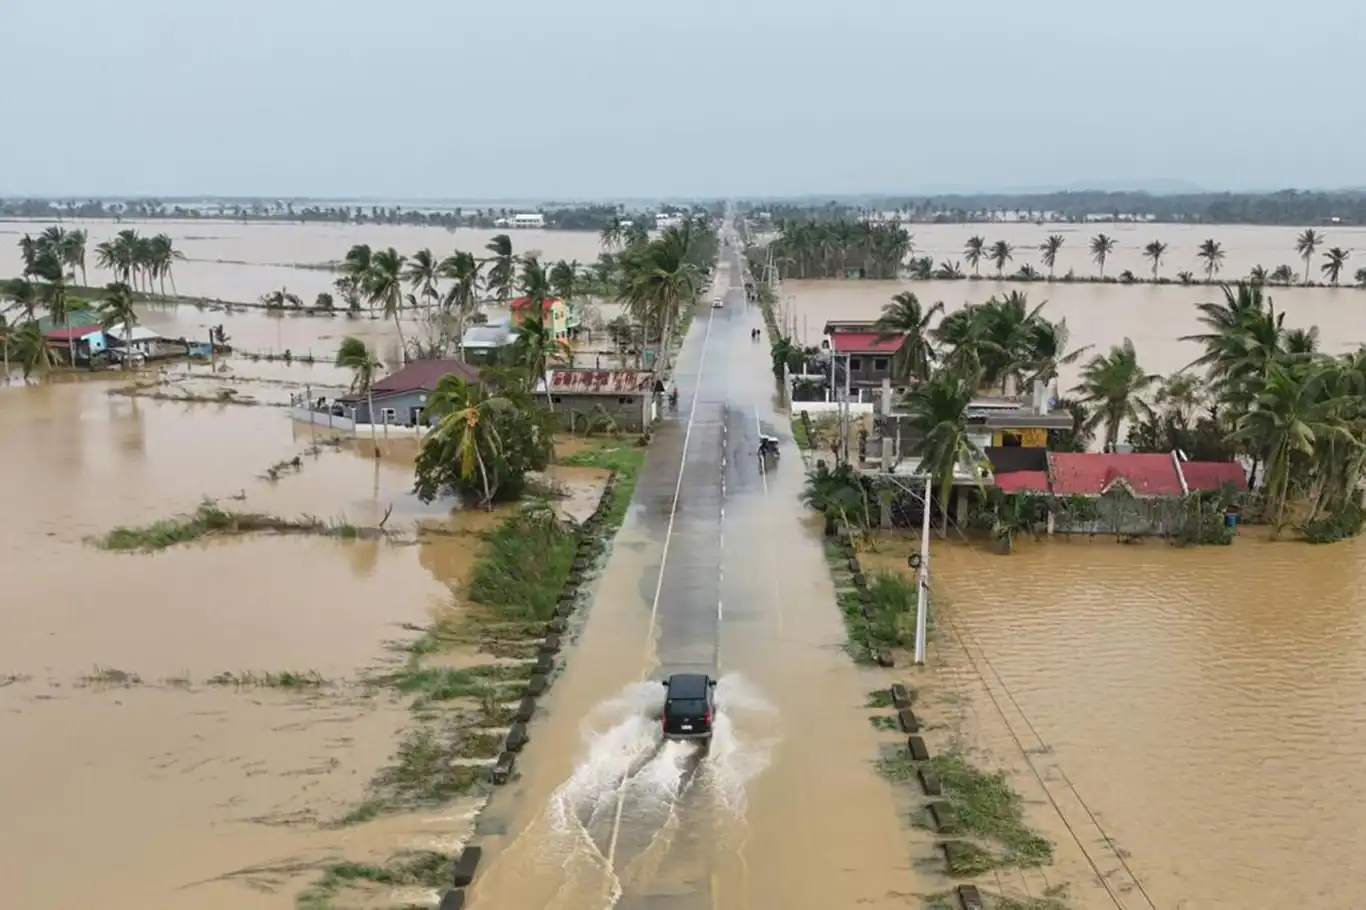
(768, 445)
(673, 397)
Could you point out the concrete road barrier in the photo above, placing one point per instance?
(501, 772)
(550, 645)
(466, 864)
(915, 747)
(902, 697)
(454, 899)
(909, 722)
(941, 814)
(545, 663)
(536, 684)
(555, 626)
(885, 659)
(929, 782)
(517, 737)
(970, 898)
(525, 710)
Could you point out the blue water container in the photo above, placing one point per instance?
(1231, 520)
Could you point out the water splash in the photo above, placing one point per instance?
(743, 738)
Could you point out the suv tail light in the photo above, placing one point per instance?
(708, 718)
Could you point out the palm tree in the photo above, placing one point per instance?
(1102, 245)
(1213, 255)
(7, 333)
(49, 269)
(73, 252)
(1154, 252)
(1334, 261)
(462, 298)
(974, 252)
(356, 265)
(463, 418)
(421, 273)
(502, 267)
(384, 288)
(32, 351)
(278, 300)
(938, 410)
(22, 292)
(162, 256)
(1114, 384)
(117, 309)
(536, 348)
(1306, 245)
(1360, 277)
(1257, 275)
(1050, 248)
(905, 317)
(1001, 253)
(353, 355)
(656, 280)
(1282, 274)
(612, 232)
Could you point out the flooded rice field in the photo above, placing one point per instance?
(1189, 721)
(1201, 709)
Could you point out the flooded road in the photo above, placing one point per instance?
(714, 572)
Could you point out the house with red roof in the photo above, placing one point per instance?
(867, 353)
(555, 311)
(78, 343)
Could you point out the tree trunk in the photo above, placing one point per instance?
(370, 406)
(402, 343)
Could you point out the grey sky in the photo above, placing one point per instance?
(608, 98)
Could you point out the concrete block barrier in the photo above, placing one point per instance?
(466, 864)
(970, 898)
(565, 607)
(501, 772)
(956, 855)
(908, 721)
(579, 563)
(536, 684)
(915, 747)
(885, 659)
(525, 710)
(453, 899)
(551, 644)
(942, 815)
(555, 626)
(517, 737)
(860, 581)
(902, 697)
(545, 663)
(929, 782)
(853, 565)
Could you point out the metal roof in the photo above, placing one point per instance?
(602, 382)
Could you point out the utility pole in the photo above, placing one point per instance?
(922, 593)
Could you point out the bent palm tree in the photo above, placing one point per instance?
(32, 351)
(904, 316)
(1334, 261)
(1306, 245)
(1114, 384)
(1001, 253)
(938, 410)
(974, 252)
(384, 287)
(1050, 248)
(353, 355)
(536, 348)
(1154, 252)
(502, 267)
(117, 309)
(1212, 254)
(464, 422)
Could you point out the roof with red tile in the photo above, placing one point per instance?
(1213, 475)
(602, 382)
(524, 303)
(1092, 474)
(82, 331)
(1023, 482)
(865, 343)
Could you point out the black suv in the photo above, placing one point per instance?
(688, 706)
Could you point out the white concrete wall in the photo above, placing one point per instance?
(822, 408)
(322, 419)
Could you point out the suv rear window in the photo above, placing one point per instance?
(687, 707)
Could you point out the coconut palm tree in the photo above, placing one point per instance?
(1334, 261)
(1114, 384)
(117, 309)
(905, 317)
(1046, 349)
(1102, 245)
(278, 300)
(502, 267)
(536, 348)
(462, 297)
(974, 251)
(24, 294)
(656, 280)
(48, 268)
(162, 257)
(384, 287)
(353, 355)
(1212, 254)
(28, 251)
(1257, 275)
(1282, 274)
(612, 233)
(32, 351)
(463, 419)
(938, 416)
(73, 252)
(1001, 253)
(1154, 252)
(356, 264)
(1050, 248)
(1306, 245)
(421, 273)
(7, 333)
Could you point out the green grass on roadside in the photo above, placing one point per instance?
(799, 433)
(419, 869)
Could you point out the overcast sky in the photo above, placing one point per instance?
(460, 99)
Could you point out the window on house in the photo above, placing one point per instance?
(626, 401)
(554, 399)
(880, 363)
(1011, 439)
(855, 363)
(387, 415)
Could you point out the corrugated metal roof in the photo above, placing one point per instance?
(423, 375)
(1091, 474)
(602, 382)
(1213, 475)
(1023, 482)
(865, 343)
(84, 331)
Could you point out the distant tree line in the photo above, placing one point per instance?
(563, 218)
(1285, 207)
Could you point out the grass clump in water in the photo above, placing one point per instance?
(881, 617)
(986, 809)
(286, 679)
(109, 676)
(210, 519)
(424, 774)
(420, 869)
(524, 566)
(432, 684)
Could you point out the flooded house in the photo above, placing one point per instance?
(868, 356)
(488, 344)
(400, 398)
(79, 345)
(627, 397)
